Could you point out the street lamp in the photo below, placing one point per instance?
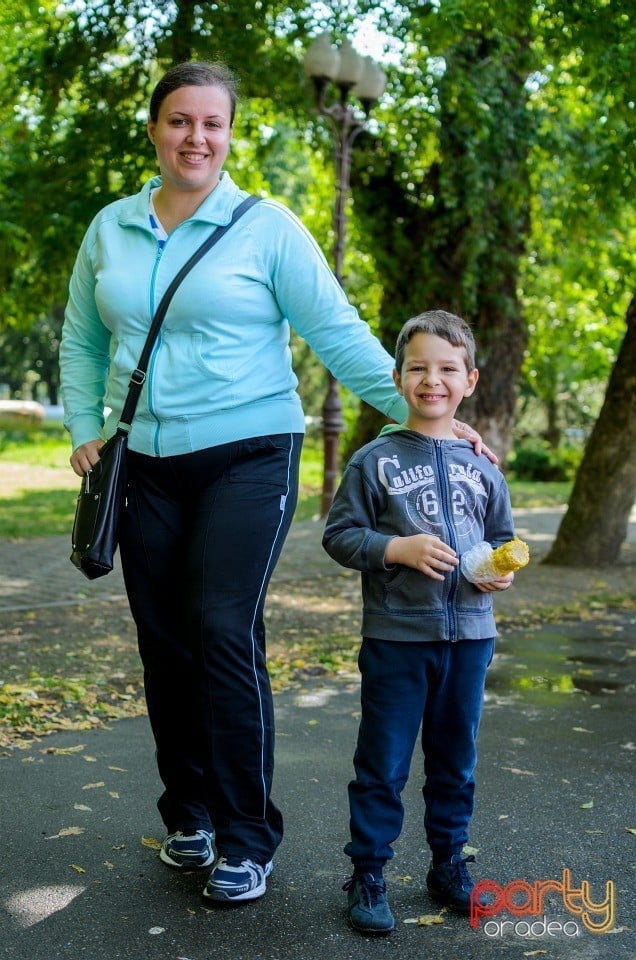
(361, 78)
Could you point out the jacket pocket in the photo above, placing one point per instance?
(183, 383)
(411, 592)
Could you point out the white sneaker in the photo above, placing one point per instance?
(188, 851)
(234, 880)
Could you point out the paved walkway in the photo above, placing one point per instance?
(79, 876)
(37, 572)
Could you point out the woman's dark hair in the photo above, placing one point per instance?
(191, 74)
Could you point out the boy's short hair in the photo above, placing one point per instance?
(440, 324)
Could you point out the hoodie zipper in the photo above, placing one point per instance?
(447, 512)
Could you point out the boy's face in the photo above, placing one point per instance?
(434, 380)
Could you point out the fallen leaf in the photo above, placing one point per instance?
(581, 730)
(82, 806)
(470, 851)
(67, 832)
(109, 865)
(155, 930)
(65, 751)
(429, 919)
(503, 816)
(426, 919)
(406, 878)
(631, 830)
(523, 773)
(587, 806)
(89, 759)
(93, 786)
(151, 843)
(118, 769)
(534, 953)
(113, 794)
(77, 869)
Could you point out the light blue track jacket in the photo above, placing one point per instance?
(221, 368)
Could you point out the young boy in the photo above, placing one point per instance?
(410, 504)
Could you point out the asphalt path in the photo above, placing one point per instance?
(80, 875)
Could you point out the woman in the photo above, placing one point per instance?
(213, 456)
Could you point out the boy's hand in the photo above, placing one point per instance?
(422, 552)
(502, 583)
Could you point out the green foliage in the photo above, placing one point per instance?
(539, 462)
(495, 177)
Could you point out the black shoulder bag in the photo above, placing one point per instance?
(103, 492)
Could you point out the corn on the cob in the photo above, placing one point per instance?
(482, 563)
(510, 556)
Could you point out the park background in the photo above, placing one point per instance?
(494, 177)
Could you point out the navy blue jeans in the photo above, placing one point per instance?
(440, 687)
(200, 539)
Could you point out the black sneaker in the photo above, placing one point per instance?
(450, 883)
(188, 851)
(368, 907)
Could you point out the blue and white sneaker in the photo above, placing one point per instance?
(188, 851)
(234, 880)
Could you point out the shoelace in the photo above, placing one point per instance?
(460, 870)
(372, 889)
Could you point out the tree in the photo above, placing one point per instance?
(595, 525)
(494, 115)
(74, 86)
(446, 195)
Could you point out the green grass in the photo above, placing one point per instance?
(531, 493)
(35, 510)
(46, 447)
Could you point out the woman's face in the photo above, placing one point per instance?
(192, 137)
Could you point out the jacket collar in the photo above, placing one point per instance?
(216, 209)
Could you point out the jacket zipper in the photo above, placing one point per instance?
(151, 364)
(448, 519)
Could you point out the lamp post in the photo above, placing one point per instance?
(360, 78)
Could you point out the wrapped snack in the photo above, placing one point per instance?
(482, 563)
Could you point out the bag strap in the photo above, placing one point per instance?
(138, 376)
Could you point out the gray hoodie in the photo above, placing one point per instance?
(405, 483)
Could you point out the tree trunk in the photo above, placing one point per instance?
(595, 525)
(460, 250)
(182, 29)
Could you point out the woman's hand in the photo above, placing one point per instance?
(466, 432)
(422, 552)
(86, 456)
